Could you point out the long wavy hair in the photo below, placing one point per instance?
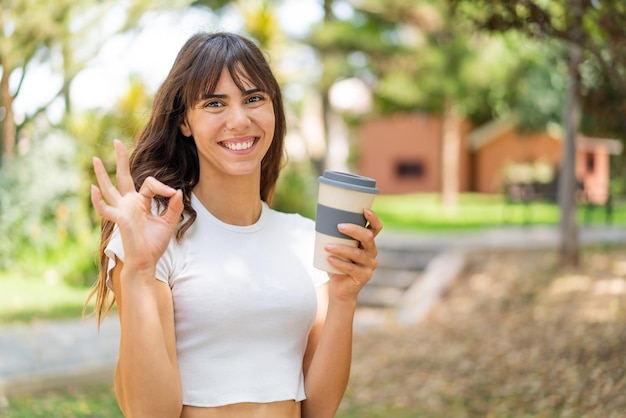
(162, 151)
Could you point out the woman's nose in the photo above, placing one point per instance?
(238, 119)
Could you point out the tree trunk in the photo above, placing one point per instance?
(450, 145)
(569, 246)
(320, 162)
(8, 124)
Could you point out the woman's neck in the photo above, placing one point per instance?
(235, 200)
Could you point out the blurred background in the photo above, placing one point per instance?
(471, 114)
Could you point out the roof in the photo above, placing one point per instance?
(490, 131)
(613, 146)
(486, 133)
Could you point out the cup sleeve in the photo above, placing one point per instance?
(318, 277)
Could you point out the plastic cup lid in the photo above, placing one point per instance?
(349, 181)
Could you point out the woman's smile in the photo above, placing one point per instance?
(240, 145)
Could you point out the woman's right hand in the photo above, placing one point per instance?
(145, 235)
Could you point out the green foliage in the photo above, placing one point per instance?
(63, 36)
(597, 28)
(40, 208)
(603, 105)
(215, 5)
(261, 21)
(296, 191)
(96, 129)
(419, 55)
(541, 90)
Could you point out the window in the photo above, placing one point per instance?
(409, 169)
(590, 161)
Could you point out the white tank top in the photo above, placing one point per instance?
(244, 303)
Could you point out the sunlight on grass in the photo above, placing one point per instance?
(423, 211)
(26, 299)
(96, 401)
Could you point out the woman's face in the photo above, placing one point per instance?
(232, 129)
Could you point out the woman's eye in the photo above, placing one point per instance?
(212, 103)
(256, 99)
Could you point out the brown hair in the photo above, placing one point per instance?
(162, 151)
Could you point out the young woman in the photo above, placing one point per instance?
(221, 312)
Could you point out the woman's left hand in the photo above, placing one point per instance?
(361, 261)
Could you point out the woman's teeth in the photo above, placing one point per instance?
(238, 146)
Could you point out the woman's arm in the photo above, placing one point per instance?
(328, 357)
(147, 381)
(329, 350)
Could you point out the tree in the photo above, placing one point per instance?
(333, 65)
(63, 34)
(27, 28)
(419, 55)
(596, 35)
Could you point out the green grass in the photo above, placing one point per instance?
(97, 401)
(424, 212)
(49, 284)
(26, 299)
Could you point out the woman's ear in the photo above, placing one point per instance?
(185, 129)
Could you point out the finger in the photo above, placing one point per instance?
(152, 187)
(375, 224)
(102, 209)
(106, 188)
(364, 235)
(124, 180)
(359, 272)
(174, 208)
(352, 255)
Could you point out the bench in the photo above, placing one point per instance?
(529, 193)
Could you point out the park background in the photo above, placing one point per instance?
(77, 74)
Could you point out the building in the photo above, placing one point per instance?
(404, 152)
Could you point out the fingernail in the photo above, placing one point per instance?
(342, 227)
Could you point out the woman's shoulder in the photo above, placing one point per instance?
(292, 220)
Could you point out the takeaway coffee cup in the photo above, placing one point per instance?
(342, 199)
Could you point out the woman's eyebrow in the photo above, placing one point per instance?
(225, 96)
(252, 91)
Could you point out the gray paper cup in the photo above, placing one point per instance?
(342, 199)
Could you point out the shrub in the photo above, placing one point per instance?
(296, 190)
(42, 212)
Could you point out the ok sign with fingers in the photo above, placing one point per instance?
(145, 234)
